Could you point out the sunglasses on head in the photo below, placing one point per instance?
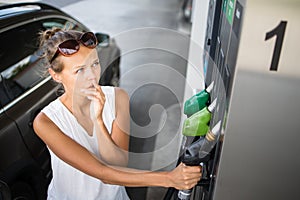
(70, 47)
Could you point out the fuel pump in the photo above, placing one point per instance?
(196, 125)
(198, 151)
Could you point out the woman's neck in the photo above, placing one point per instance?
(80, 110)
(77, 106)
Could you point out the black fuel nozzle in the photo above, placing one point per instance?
(191, 156)
(199, 152)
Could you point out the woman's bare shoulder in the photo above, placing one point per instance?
(42, 122)
(121, 95)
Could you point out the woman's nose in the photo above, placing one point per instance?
(90, 73)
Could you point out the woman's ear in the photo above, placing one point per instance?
(55, 76)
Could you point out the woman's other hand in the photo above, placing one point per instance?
(185, 177)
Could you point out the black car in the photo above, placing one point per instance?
(25, 169)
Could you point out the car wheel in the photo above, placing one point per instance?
(22, 191)
(4, 191)
(29, 186)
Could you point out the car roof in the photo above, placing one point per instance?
(14, 13)
(12, 9)
(17, 10)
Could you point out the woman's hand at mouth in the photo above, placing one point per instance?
(97, 97)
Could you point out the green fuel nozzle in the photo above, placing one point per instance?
(197, 124)
(198, 101)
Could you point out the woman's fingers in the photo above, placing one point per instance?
(94, 93)
(185, 177)
(99, 89)
(192, 174)
(97, 98)
(191, 171)
(89, 91)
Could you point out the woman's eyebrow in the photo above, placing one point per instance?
(78, 66)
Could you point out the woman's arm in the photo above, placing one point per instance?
(113, 147)
(79, 157)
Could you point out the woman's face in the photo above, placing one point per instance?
(80, 70)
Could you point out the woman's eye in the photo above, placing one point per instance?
(96, 64)
(79, 70)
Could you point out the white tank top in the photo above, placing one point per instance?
(69, 183)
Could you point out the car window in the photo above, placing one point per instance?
(4, 99)
(20, 65)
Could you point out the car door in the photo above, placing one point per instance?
(25, 160)
(29, 91)
(11, 143)
(13, 150)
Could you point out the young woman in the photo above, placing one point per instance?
(87, 128)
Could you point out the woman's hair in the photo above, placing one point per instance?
(49, 41)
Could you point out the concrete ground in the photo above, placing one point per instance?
(154, 43)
